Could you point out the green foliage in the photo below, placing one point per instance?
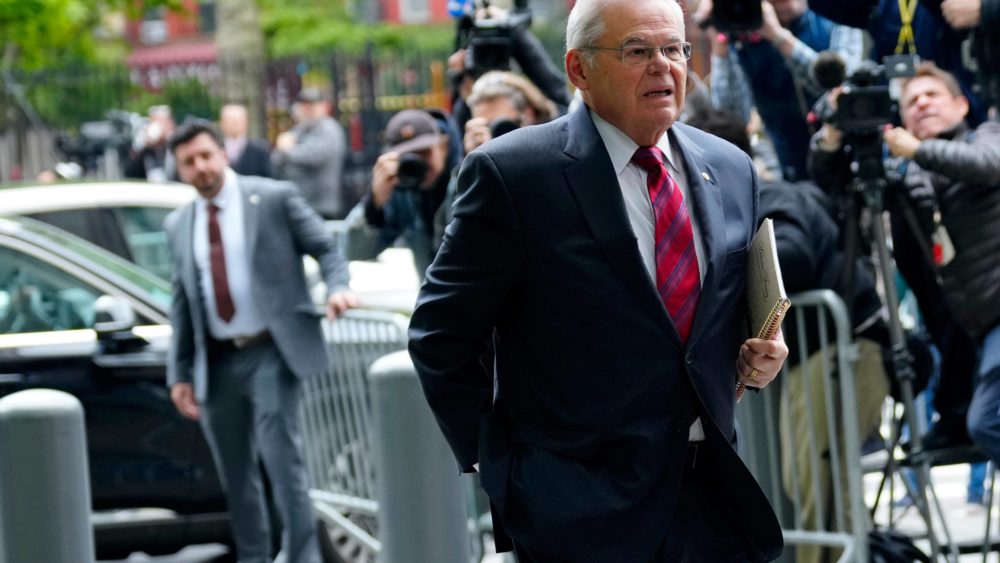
(187, 97)
(41, 33)
(294, 27)
(90, 94)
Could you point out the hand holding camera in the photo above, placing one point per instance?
(394, 171)
(477, 132)
(901, 142)
(384, 178)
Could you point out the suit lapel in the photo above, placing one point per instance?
(250, 200)
(706, 205)
(595, 187)
(189, 270)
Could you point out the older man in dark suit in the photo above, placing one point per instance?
(247, 157)
(605, 256)
(246, 333)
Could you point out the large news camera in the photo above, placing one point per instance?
(96, 139)
(732, 16)
(865, 104)
(488, 41)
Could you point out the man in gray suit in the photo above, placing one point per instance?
(312, 155)
(246, 332)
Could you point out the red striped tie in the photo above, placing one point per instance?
(677, 276)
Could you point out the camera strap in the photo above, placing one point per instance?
(906, 43)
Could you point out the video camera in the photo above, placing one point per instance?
(411, 172)
(865, 104)
(96, 138)
(488, 41)
(733, 16)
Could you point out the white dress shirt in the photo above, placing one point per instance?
(247, 321)
(632, 182)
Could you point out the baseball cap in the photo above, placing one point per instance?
(411, 130)
(310, 95)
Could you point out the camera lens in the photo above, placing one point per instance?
(502, 126)
(412, 169)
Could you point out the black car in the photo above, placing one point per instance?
(153, 483)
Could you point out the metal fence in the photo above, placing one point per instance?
(48, 109)
(814, 482)
(816, 490)
(336, 421)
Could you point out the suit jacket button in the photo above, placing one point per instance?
(689, 359)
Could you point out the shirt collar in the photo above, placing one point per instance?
(621, 148)
(229, 193)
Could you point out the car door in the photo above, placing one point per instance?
(142, 453)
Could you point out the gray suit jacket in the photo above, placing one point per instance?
(281, 228)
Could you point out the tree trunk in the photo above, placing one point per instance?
(240, 43)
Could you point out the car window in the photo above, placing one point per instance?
(146, 238)
(37, 297)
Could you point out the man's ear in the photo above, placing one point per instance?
(964, 103)
(577, 70)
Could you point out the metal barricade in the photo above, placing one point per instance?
(816, 489)
(336, 425)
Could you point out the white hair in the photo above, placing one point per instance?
(586, 25)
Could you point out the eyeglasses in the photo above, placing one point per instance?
(639, 54)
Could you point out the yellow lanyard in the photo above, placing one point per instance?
(907, 8)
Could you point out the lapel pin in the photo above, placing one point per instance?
(706, 176)
(255, 199)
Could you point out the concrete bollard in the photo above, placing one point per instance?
(422, 514)
(44, 483)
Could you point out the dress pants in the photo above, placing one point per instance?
(703, 529)
(251, 414)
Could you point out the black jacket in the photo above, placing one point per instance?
(965, 174)
(959, 173)
(255, 160)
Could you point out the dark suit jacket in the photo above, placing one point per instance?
(582, 432)
(255, 160)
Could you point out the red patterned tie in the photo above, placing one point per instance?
(217, 258)
(677, 276)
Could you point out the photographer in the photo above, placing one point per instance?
(149, 158)
(775, 61)
(503, 101)
(487, 39)
(409, 184)
(944, 206)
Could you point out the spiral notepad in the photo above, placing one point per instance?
(767, 302)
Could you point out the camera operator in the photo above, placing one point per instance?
(409, 184)
(943, 208)
(487, 39)
(774, 61)
(150, 159)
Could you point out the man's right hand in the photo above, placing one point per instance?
(477, 132)
(182, 394)
(384, 178)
